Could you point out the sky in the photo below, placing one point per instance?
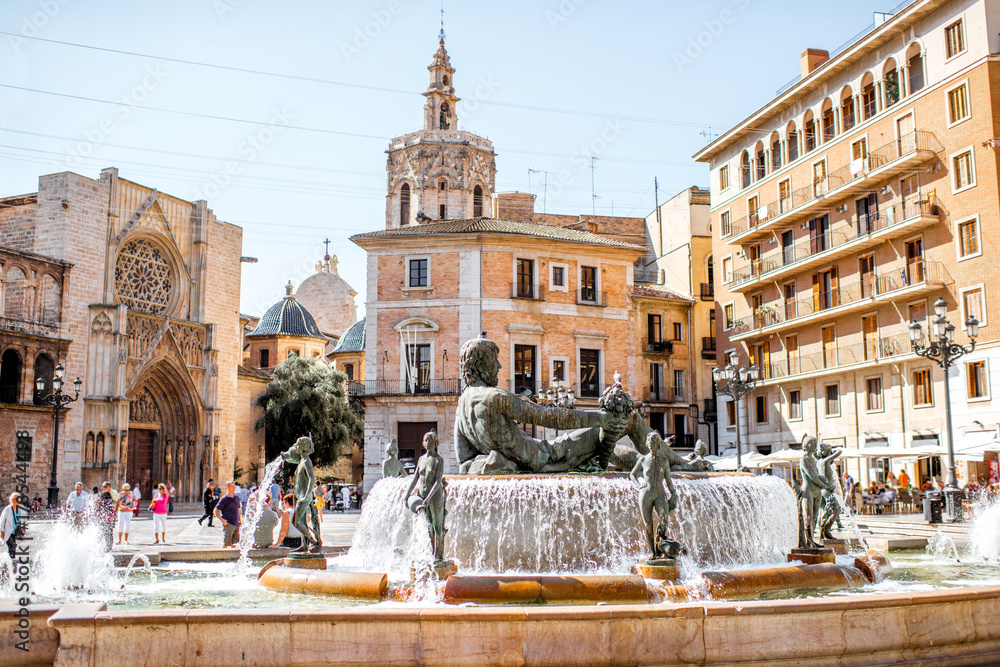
(281, 112)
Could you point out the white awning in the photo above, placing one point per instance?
(728, 460)
(975, 445)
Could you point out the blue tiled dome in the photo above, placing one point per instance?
(353, 339)
(289, 318)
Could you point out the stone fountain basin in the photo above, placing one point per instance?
(957, 626)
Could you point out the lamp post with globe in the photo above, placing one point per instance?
(58, 401)
(943, 350)
(739, 383)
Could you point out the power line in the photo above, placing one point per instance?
(310, 79)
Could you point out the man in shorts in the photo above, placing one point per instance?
(228, 510)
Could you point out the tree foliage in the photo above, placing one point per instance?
(308, 398)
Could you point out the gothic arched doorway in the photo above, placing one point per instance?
(163, 436)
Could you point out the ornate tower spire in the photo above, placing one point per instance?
(439, 111)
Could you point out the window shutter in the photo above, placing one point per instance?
(815, 292)
(834, 288)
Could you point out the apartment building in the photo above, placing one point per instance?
(842, 209)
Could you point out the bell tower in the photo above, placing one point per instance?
(439, 172)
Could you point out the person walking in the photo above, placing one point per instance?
(171, 492)
(105, 513)
(275, 492)
(208, 500)
(137, 494)
(228, 510)
(77, 506)
(11, 526)
(160, 507)
(289, 536)
(126, 505)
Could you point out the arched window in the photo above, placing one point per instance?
(265, 358)
(446, 81)
(44, 369)
(404, 206)
(761, 160)
(890, 78)
(745, 170)
(792, 141)
(868, 105)
(829, 124)
(775, 151)
(477, 201)
(847, 115)
(444, 122)
(915, 64)
(710, 267)
(10, 377)
(14, 306)
(809, 131)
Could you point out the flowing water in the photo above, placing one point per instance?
(139, 557)
(984, 536)
(563, 524)
(251, 516)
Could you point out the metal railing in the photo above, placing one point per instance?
(835, 356)
(707, 292)
(865, 226)
(837, 176)
(532, 292)
(648, 276)
(591, 297)
(708, 343)
(664, 394)
(710, 409)
(888, 279)
(439, 386)
(657, 346)
(355, 388)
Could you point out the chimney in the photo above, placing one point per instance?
(515, 206)
(811, 59)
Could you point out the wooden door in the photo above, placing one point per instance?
(139, 467)
(914, 261)
(866, 268)
(869, 329)
(906, 136)
(829, 348)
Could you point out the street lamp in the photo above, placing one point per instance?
(739, 383)
(58, 401)
(944, 351)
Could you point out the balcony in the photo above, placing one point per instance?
(899, 282)
(530, 292)
(710, 411)
(657, 346)
(848, 239)
(708, 347)
(837, 358)
(843, 180)
(707, 292)
(656, 394)
(591, 297)
(427, 387)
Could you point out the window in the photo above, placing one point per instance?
(728, 314)
(558, 370)
(292, 352)
(724, 177)
(795, 404)
(656, 383)
(727, 269)
(819, 179)
(265, 358)
(869, 107)
(404, 205)
(477, 201)
(873, 394)
(792, 142)
(588, 283)
(847, 109)
(915, 65)
(730, 414)
(785, 196)
(559, 276)
(524, 368)
(975, 372)
(829, 347)
(760, 411)
(761, 161)
(678, 386)
(891, 82)
(922, 394)
(974, 305)
(418, 273)
(725, 224)
(954, 39)
(590, 362)
(654, 328)
(525, 288)
(965, 171)
(958, 104)
(418, 368)
(775, 152)
(832, 400)
(829, 126)
(678, 331)
(441, 212)
(968, 238)
(349, 372)
(444, 122)
(809, 131)
(792, 354)
(745, 170)
(442, 185)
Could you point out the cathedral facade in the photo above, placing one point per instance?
(147, 315)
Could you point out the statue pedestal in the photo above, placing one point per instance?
(442, 570)
(658, 568)
(813, 556)
(306, 562)
(839, 545)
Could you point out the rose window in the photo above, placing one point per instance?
(143, 277)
